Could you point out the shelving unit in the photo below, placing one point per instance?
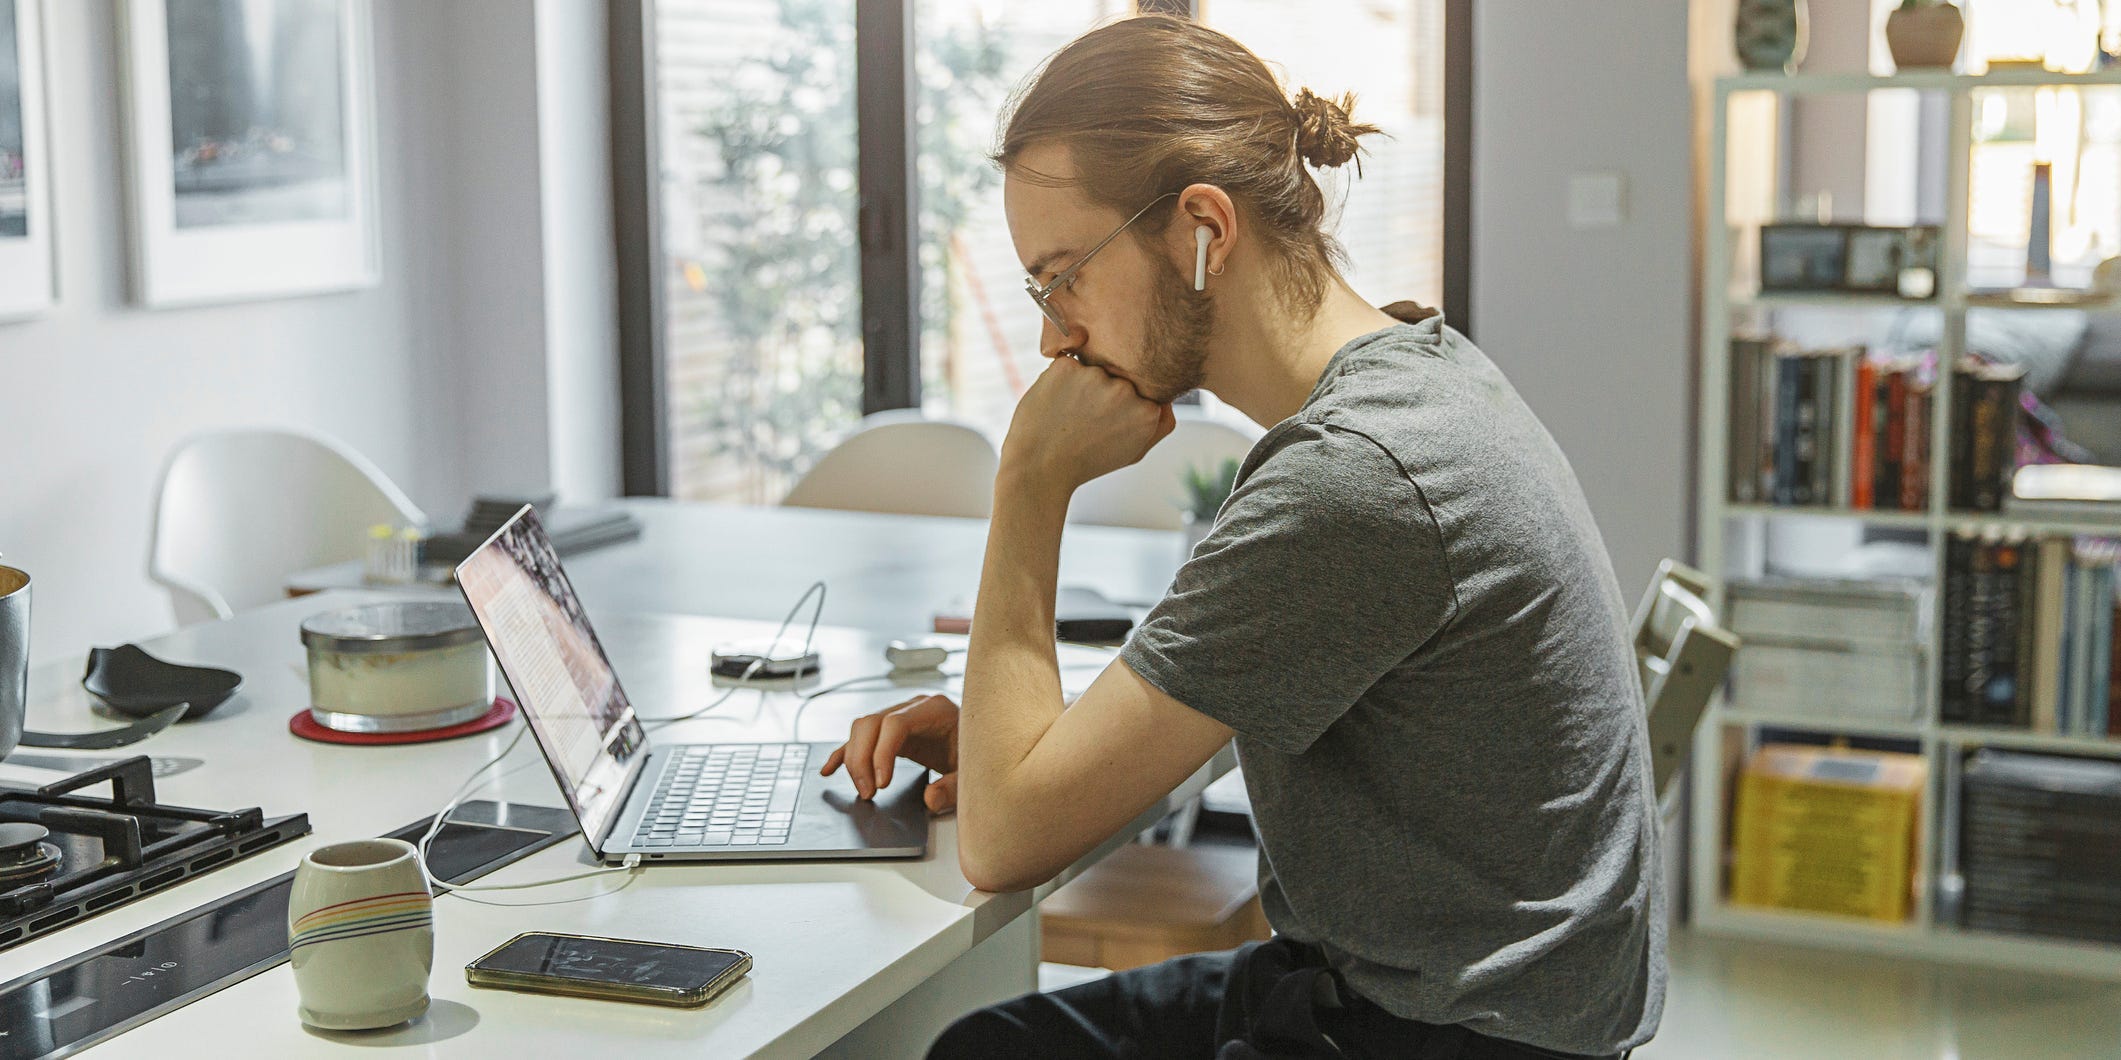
(1727, 730)
(1923, 520)
(1873, 727)
(1986, 736)
(1827, 300)
(1924, 80)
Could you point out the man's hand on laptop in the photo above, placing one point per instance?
(923, 730)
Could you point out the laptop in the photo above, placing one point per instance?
(687, 802)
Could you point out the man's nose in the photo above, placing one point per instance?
(1053, 342)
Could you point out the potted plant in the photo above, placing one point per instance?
(1206, 491)
(1924, 33)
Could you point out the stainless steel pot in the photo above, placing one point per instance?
(14, 656)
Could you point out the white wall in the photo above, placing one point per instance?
(580, 259)
(1592, 326)
(534, 327)
(98, 391)
(1825, 130)
(463, 370)
(497, 326)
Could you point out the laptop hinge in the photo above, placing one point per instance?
(625, 803)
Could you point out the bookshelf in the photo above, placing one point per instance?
(1992, 736)
(1728, 731)
(1823, 300)
(1839, 726)
(1923, 520)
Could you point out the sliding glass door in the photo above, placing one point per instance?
(761, 268)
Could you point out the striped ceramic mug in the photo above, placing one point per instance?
(360, 931)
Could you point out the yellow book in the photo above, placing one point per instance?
(1827, 831)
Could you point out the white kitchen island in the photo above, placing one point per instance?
(853, 958)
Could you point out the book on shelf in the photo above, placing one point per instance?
(1794, 413)
(1793, 483)
(1829, 648)
(1829, 680)
(1860, 609)
(2030, 633)
(2085, 492)
(2113, 677)
(1863, 437)
(1748, 356)
(2084, 706)
(1984, 438)
(1915, 447)
(1827, 831)
(1825, 440)
(2051, 569)
(1957, 605)
(1981, 614)
(1890, 442)
(2040, 845)
(2001, 696)
(2067, 483)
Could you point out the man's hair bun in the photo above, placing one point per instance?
(1325, 136)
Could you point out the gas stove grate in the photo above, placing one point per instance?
(125, 845)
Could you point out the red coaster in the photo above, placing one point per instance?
(305, 726)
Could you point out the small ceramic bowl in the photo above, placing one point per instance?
(138, 684)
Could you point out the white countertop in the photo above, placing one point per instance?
(834, 942)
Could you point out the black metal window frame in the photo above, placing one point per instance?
(887, 186)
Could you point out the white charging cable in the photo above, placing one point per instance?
(472, 784)
(795, 724)
(652, 724)
(817, 589)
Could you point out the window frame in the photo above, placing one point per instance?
(888, 210)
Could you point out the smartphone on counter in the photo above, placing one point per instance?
(653, 973)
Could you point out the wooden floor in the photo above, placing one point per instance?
(1740, 1000)
(1731, 998)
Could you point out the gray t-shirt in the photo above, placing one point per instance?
(1408, 615)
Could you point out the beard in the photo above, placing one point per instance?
(1175, 354)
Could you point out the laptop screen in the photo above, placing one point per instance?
(559, 671)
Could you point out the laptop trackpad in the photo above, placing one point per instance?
(896, 819)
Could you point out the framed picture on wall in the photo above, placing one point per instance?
(251, 132)
(27, 277)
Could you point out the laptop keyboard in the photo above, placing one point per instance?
(736, 794)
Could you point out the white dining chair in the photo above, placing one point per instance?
(1150, 494)
(902, 463)
(238, 511)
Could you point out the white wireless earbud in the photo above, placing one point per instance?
(1201, 236)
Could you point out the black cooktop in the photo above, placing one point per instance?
(67, 1007)
(66, 855)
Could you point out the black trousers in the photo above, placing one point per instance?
(1255, 1002)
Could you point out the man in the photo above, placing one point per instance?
(1404, 614)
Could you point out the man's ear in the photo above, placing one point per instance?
(1207, 206)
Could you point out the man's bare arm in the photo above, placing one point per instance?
(1040, 786)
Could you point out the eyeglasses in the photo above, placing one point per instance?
(1040, 295)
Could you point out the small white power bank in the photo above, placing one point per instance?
(915, 656)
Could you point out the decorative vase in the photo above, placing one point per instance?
(1925, 36)
(360, 928)
(1770, 34)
